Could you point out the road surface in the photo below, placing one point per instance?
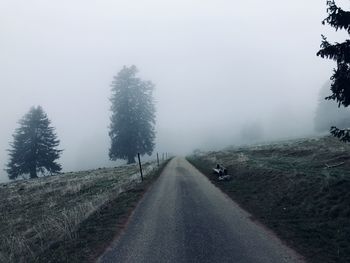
(184, 218)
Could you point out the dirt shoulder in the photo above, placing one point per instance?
(290, 187)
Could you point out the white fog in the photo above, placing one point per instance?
(218, 66)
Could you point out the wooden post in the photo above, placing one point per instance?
(138, 155)
(158, 159)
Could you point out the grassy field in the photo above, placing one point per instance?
(299, 188)
(53, 219)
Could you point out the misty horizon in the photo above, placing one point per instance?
(217, 67)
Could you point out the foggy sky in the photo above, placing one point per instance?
(218, 65)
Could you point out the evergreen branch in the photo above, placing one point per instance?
(340, 85)
(342, 134)
(338, 51)
(337, 17)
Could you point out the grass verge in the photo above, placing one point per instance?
(290, 188)
(96, 232)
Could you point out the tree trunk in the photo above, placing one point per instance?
(33, 173)
(131, 159)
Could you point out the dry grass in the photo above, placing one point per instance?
(34, 214)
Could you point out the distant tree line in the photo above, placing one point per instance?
(252, 132)
(328, 114)
(34, 150)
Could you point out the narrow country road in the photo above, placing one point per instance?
(184, 218)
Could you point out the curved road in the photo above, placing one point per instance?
(184, 218)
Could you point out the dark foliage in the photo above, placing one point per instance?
(133, 116)
(339, 52)
(343, 135)
(34, 147)
(337, 18)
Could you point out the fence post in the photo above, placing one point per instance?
(138, 155)
(158, 159)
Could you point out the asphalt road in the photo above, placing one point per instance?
(184, 218)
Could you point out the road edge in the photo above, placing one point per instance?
(251, 217)
(96, 233)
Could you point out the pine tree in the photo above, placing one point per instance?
(34, 147)
(133, 116)
(339, 52)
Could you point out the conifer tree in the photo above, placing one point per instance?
(339, 52)
(34, 147)
(133, 116)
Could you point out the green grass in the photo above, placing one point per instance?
(287, 187)
(38, 214)
(97, 232)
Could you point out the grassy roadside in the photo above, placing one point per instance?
(95, 233)
(35, 215)
(288, 187)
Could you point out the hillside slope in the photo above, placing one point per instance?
(36, 214)
(300, 189)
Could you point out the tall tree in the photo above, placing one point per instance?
(34, 147)
(133, 116)
(339, 52)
